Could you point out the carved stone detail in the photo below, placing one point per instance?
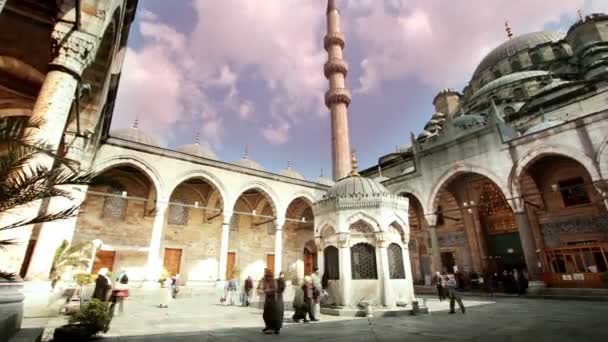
(334, 38)
(337, 95)
(72, 50)
(576, 225)
(335, 66)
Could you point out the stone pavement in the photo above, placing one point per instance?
(201, 318)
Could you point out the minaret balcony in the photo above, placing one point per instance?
(337, 95)
(335, 65)
(334, 38)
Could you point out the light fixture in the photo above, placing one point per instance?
(303, 219)
(253, 212)
(196, 204)
(555, 187)
(124, 194)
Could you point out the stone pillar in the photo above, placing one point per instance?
(320, 256)
(278, 247)
(225, 240)
(409, 279)
(154, 264)
(527, 244)
(345, 268)
(602, 189)
(387, 297)
(2, 3)
(435, 253)
(53, 233)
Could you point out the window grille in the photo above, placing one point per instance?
(363, 261)
(395, 261)
(115, 206)
(178, 213)
(331, 261)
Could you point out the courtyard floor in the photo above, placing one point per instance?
(198, 317)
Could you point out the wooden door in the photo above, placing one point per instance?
(270, 262)
(230, 262)
(103, 259)
(172, 260)
(308, 262)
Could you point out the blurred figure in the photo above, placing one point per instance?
(231, 290)
(273, 302)
(166, 295)
(310, 296)
(121, 291)
(248, 288)
(454, 293)
(103, 286)
(316, 282)
(440, 284)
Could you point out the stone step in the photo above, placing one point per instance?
(28, 335)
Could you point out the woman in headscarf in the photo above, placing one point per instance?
(273, 302)
(103, 286)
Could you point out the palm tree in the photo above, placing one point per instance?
(66, 255)
(24, 180)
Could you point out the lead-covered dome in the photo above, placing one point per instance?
(134, 134)
(356, 186)
(289, 172)
(513, 46)
(516, 77)
(198, 150)
(249, 163)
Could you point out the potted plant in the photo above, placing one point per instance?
(69, 256)
(84, 324)
(163, 276)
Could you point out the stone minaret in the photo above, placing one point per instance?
(337, 98)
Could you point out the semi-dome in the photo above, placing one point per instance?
(509, 79)
(134, 134)
(514, 45)
(542, 126)
(198, 150)
(289, 172)
(355, 186)
(469, 121)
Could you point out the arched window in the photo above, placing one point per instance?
(395, 261)
(331, 262)
(363, 261)
(115, 204)
(515, 65)
(178, 213)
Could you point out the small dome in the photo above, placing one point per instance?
(542, 126)
(325, 181)
(469, 121)
(134, 134)
(198, 150)
(356, 186)
(508, 79)
(289, 172)
(513, 46)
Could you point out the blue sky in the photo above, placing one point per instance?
(250, 72)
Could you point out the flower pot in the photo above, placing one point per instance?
(11, 309)
(71, 332)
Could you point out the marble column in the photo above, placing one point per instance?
(225, 240)
(528, 245)
(278, 247)
(409, 279)
(154, 263)
(345, 269)
(435, 253)
(52, 234)
(387, 297)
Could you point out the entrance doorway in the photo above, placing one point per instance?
(172, 260)
(103, 259)
(270, 262)
(310, 261)
(448, 259)
(230, 263)
(507, 252)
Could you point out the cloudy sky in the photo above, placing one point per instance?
(250, 72)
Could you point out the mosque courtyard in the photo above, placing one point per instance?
(197, 316)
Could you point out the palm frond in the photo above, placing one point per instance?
(10, 276)
(42, 218)
(8, 242)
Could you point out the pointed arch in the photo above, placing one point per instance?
(361, 216)
(138, 163)
(602, 159)
(264, 189)
(204, 175)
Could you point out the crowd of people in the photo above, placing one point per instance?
(511, 282)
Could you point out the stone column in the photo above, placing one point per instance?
(225, 240)
(154, 264)
(387, 297)
(435, 253)
(2, 3)
(527, 243)
(602, 189)
(320, 256)
(278, 247)
(53, 233)
(345, 268)
(409, 279)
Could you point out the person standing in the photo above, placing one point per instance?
(316, 282)
(454, 293)
(299, 307)
(103, 286)
(166, 295)
(440, 284)
(121, 291)
(310, 295)
(247, 290)
(231, 290)
(272, 315)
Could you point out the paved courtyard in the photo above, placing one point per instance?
(198, 317)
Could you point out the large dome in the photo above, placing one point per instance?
(134, 134)
(198, 150)
(514, 45)
(509, 79)
(356, 186)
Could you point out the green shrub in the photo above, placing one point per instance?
(95, 317)
(83, 279)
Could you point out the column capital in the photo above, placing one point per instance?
(226, 217)
(343, 239)
(381, 239)
(72, 49)
(518, 205)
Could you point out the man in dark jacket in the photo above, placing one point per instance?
(311, 295)
(103, 285)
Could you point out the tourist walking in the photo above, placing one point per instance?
(120, 292)
(310, 296)
(316, 282)
(440, 284)
(247, 289)
(299, 307)
(174, 286)
(454, 293)
(103, 286)
(231, 290)
(273, 303)
(166, 295)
